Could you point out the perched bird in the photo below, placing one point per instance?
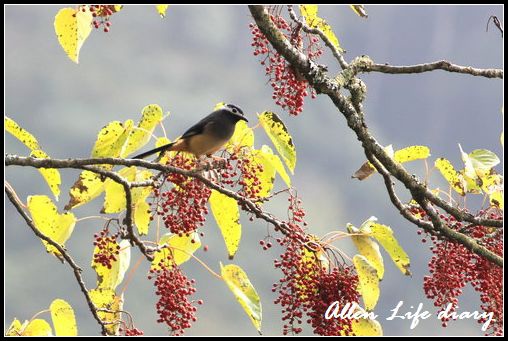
(207, 136)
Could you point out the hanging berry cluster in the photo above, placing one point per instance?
(241, 170)
(289, 87)
(309, 285)
(452, 267)
(173, 288)
(183, 207)
(108, 248)
(101, 14)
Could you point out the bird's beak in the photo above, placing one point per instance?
(243, 118)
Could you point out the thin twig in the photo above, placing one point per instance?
(76, 269)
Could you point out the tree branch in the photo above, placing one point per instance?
(426, 67)
(250, 206)
(325, 85)
(76, 269)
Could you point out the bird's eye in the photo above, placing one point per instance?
(234, 111)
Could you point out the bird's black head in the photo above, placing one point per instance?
(235, 111)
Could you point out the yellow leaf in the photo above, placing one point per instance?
(56, 226)
(51, 175)
(497, 199)
(16, 328)
(309, 13)
(411, 153)
(37, 327)
(161, 9)
(368, 281)
(142, 217)
(21, 134)
(160, 142)
(106, 299)
(72, 27)
(450, 174)
(266, 176)
(384, 235)
(63, 318)
(88, 187)
(227, 215)
(114, 198)
(244, 291)
(219, 105)
(111, 139)
(468, 164)
(359, 10)
(276, 163)
(280, 137)
(151, 116)
(110, 278)
(243, 137)
(181, 248)
(366, 327)
(368, 248)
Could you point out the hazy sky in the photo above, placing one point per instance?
(200, 55)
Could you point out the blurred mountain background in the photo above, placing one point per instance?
(200, 55)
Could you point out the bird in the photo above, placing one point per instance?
(207, 136)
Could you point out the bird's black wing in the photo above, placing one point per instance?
(199, 127)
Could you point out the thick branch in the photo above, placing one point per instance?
(76, 269)
(426, 67)
(250, 206)
(325, 85)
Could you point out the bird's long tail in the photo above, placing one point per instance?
(155, 150)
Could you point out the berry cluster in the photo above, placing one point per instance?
(452, 267)
(289, 87)
(102, 14)
(173, 289)
(183, 207)
(108, 248)
(132, 332)
(309, 285)
(241, 170)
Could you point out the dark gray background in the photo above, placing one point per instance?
(201, 55)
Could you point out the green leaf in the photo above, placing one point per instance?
(45, 216)
(368, 281)
(384, 235)
(483, 159)
(244, 291)
(280, 137)
(63, 318)
(227, 215)
(180, 247)
(72, 27)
